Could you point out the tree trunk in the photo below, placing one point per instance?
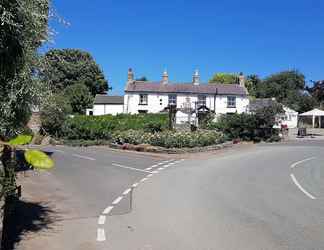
(9, 198)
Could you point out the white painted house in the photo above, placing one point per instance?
(107, 105)
(154, 97)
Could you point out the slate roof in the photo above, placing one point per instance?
(105, 99)
(186, 88)
(261, 103)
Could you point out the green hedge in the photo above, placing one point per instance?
(83, 127)
(169, 139)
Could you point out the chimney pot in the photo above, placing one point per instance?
(242, 80)
(130, 77)
(196, 78)
(165, 77)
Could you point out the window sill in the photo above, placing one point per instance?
(142, 104)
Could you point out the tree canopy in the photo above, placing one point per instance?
(66, 67)
(224, 78)
(79, 97)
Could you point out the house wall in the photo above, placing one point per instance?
(108, 109)
(157, 102)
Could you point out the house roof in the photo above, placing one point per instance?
(261, 103)
(158, 87)
(105, 99)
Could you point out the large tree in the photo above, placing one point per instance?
(225, 78)
(317, 91)
(66, 67)
(79, 97)
(23, 27)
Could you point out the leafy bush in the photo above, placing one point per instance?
(101, 127)
(169, 139)
(235, 126)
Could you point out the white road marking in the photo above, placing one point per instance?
(144, 179)
(301, 188)
(84, 157)
(107, 210)
(160, 168)
(126, 167)
(148, 169)
(150, 175)
(102, 220)
(127, 191)
(135, 184)
(101, 234)
(302, 161)
(155, 172)
(117, 200)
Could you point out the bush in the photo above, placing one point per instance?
(169, 139)
(54, 113)
(82, 127)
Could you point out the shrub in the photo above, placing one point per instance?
(82, 127)
(169, 139)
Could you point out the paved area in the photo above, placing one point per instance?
(269, 196)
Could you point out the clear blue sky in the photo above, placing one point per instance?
(252, 36)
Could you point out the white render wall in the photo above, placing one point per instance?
(108, 109)
(131, 102)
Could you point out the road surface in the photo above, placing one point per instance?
(269, 196)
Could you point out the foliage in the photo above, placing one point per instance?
(142, 79)
(317, 92)
(79, 97)
(252, 84)
(224, 78)
(288, 87)
(101, 127)
(169, 139)
(235, 125)
(21, 140)
(66, 67)
(54, 113)
(256, 126)
(38, 159)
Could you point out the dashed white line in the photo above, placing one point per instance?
(126, 167)
(84, 157)
(144, 179)
(160, 168)
(127, 191)
(102, 220)
(155, 172)
(117, 200)
(301, 188)
(150, 175)
(135, 184)
(302, 161)
(101, 234)
(107, 210)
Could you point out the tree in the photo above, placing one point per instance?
(142, 79)
(224, 78)
(79, 97)
(66, 67)
(317, 92)
(54, 113)
(23, 27)
(253, 83)
(282, 85)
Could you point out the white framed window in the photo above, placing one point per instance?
(173, 100)
(231, 101)
(143, 99)
(201, 100)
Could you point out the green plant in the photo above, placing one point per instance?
(169, 139)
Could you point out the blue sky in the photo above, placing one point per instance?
(252, 36)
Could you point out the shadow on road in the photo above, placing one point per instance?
(26, 217)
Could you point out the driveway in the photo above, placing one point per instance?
(268, 196)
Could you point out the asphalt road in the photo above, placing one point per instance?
(245, 199)
(269, 196)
